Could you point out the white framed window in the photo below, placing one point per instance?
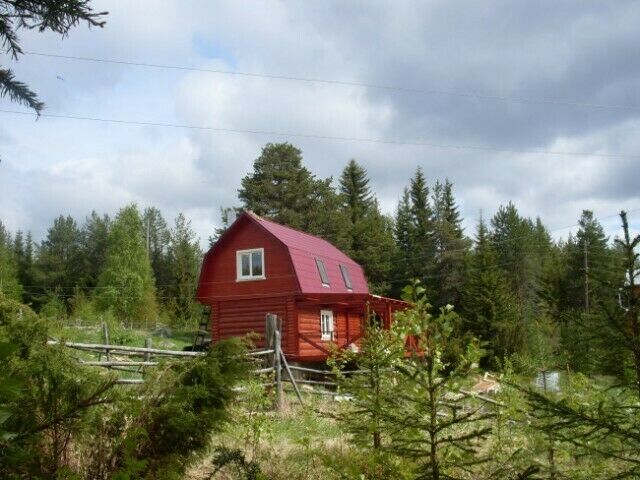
(250, 264)
(326, 325)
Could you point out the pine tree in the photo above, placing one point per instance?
(9, 283)
(450, 245)
(59, 261)
(126, 285)
(490, 309)
(282, 189)
(184, 265)
(370, 234)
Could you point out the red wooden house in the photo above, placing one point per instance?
(259, 267)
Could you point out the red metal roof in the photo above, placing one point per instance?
(304, 249)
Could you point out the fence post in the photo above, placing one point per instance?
(278, 368)
(105, 331)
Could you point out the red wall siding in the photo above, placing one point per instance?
(218, 279)
(309, 326)
(237, 318)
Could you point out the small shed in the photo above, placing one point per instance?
(321, 295)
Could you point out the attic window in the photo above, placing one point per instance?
(250, 264)
(346, 277)
(323, 272)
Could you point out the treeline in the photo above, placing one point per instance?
(133, 266)
(507, 279)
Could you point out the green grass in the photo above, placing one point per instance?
(123, 336)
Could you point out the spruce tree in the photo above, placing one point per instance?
(423, 249)
(369, 233)
(9, 283)
(404, 269)
(490, 309)
(514, 242)
(450, 245)
(435, 424)
(184, 265)
(157, 237)
(126, 285)
(594, 274)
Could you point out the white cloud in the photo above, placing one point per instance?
(66, 166)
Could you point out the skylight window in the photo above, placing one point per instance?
(323, 272)
(346, 277)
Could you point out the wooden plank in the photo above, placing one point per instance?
(112, 363)
(125, 349)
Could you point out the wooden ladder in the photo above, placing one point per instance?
(203, 337)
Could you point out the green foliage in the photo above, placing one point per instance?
(184, 259)
(93, 247)
(157, 239)
(225, 457)
(9, 283)
(126, 284)
(56, 16)
(369, 233)
(451, 246)
(180, 407)
(282, 189)
(49, 408)
(491, 310)
(437, 426)
(372, 386)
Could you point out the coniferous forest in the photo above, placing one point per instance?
(553, 322)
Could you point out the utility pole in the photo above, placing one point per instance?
(586, 276)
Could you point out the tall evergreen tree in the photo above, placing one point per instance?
(369, 233)
(450, 245)
(594, 274)
(490, 308)
(95, 237)
(404, 269)
(9, 283)
(59, 261)
(282, 189)
(156, 233)
(24, 256)
(126, 284)
(184, 265)
(422, 242)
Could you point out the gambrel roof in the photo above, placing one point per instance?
(304, 251)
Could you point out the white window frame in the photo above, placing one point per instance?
(328, 332)
(244, 278)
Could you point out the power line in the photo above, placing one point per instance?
(319, 137)
(346, 83)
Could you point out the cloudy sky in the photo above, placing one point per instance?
(534, 102)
